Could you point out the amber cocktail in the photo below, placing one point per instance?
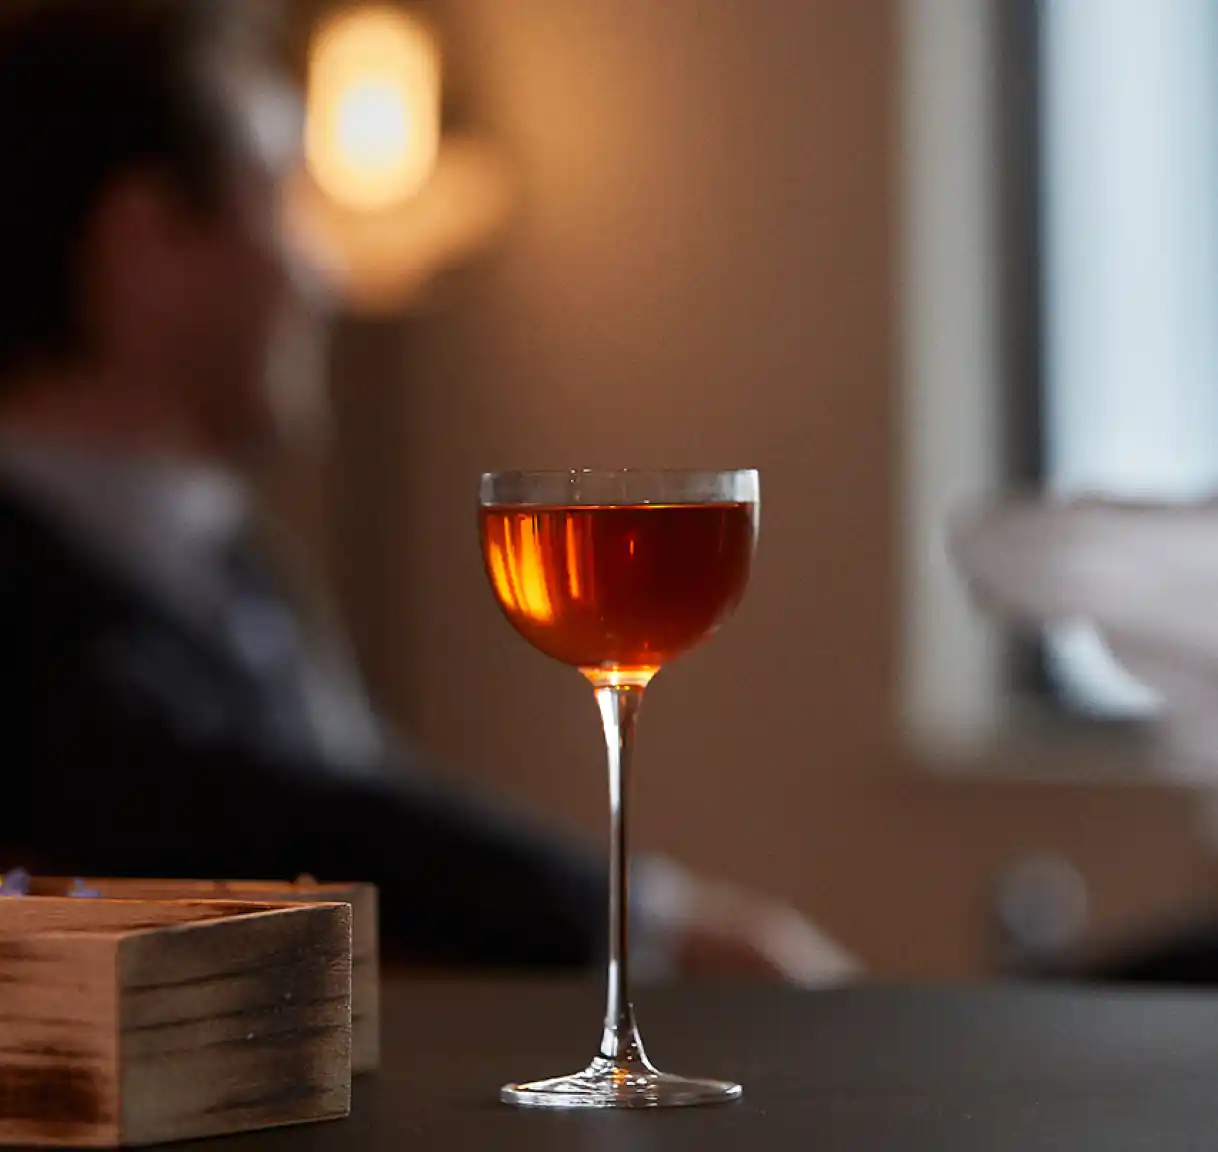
(626, 588)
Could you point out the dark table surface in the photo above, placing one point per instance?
(867, 1069)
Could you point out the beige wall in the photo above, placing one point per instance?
(703, 274)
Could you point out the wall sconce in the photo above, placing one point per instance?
(386, 199)
(372, 129)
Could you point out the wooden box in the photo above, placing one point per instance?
(125, 1022)
(365, 932)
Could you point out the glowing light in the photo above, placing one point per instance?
(531, 573)
(501, 577)
(518, 572)
(372, 133)
(574, 583)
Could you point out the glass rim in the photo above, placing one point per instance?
(593, 487)
(610, 473)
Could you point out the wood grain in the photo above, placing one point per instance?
(58, 1041)
(142, 1021)
(365, 929)
(237, 1024)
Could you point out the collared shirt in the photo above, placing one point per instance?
(167, 527)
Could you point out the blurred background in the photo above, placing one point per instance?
(897, 254)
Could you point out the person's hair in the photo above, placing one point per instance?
(90, 91)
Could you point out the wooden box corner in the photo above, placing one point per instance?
(136, 1022)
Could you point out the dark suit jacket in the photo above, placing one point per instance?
(134, 746)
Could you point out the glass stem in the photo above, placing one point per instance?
(619, 705)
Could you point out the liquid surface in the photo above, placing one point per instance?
(622, 587)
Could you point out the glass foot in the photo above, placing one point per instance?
(606, 1084)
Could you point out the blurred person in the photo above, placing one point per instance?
(160, 710)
